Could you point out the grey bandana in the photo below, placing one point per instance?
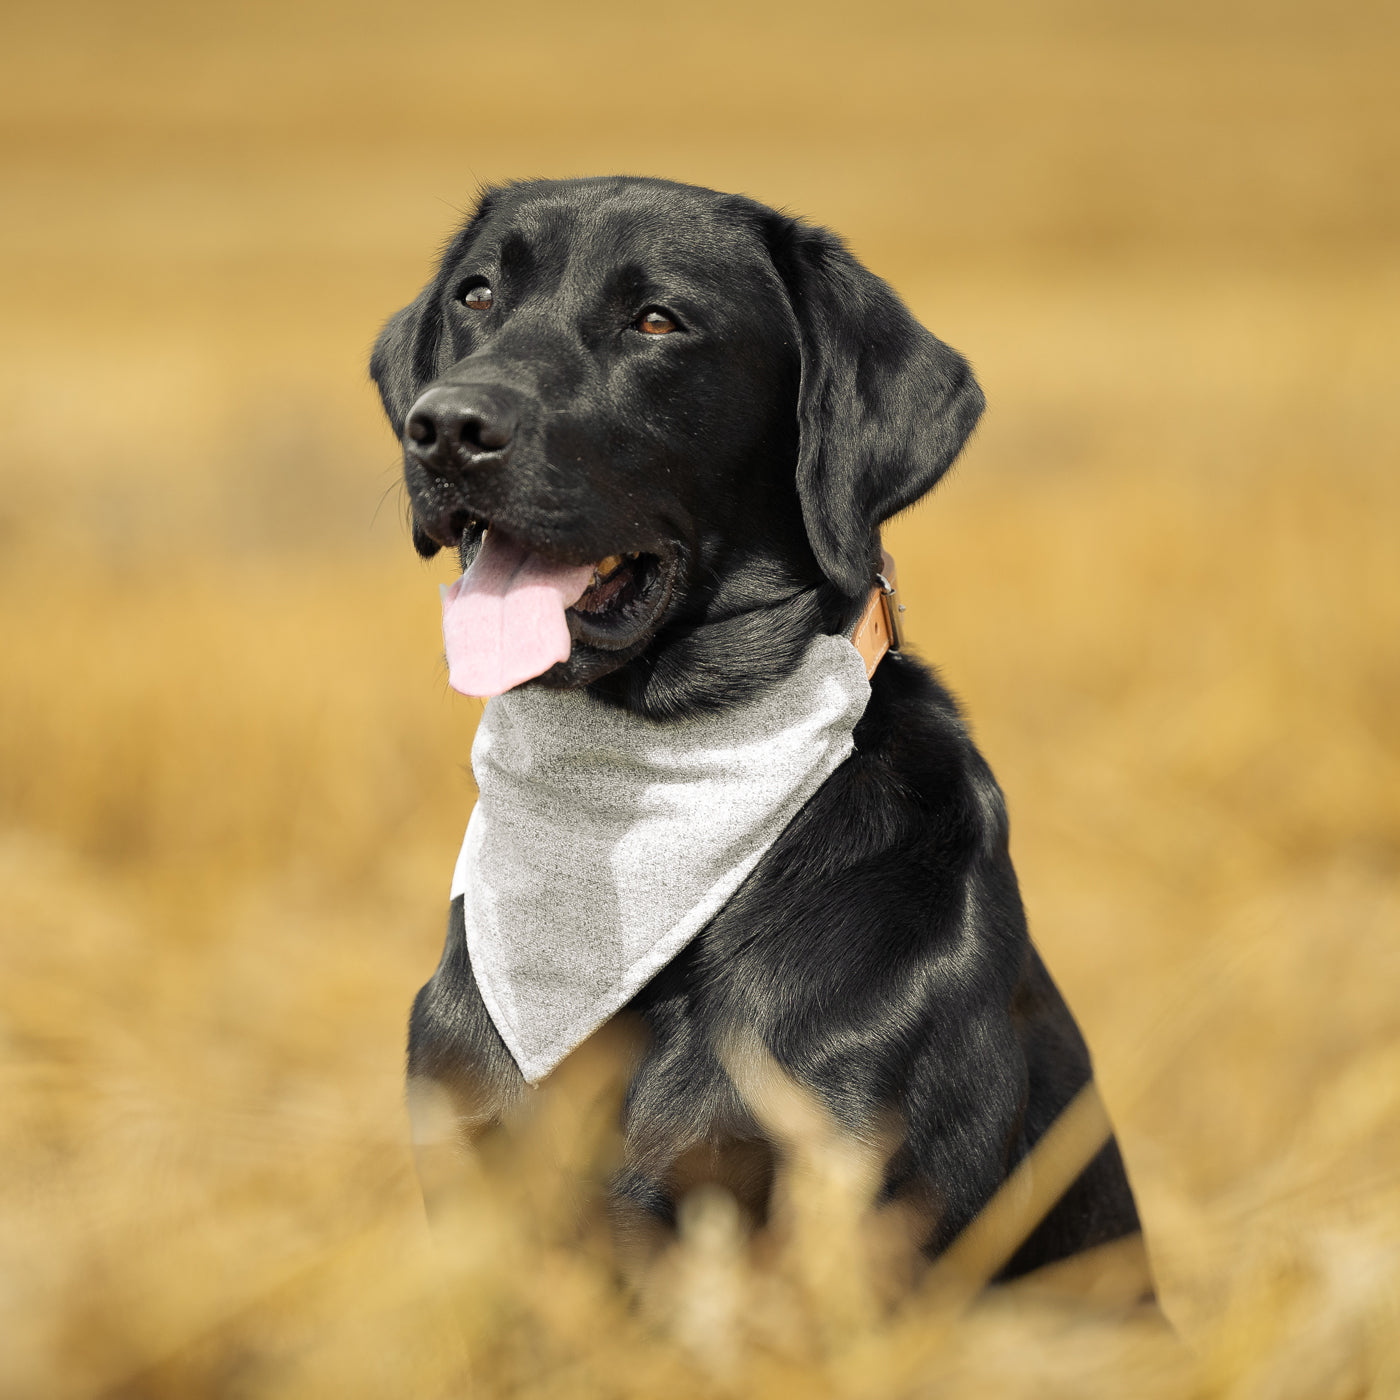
(602, 843)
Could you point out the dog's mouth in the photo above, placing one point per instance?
(521, 608)
(623, 600)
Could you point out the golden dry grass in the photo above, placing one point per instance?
(1163, 579)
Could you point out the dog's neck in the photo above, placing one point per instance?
(729, 662)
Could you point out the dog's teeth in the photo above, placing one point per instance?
(607, 566)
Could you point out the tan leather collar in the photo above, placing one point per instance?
(877, 628)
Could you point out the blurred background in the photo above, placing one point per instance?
(233, 781)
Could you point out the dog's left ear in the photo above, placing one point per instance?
(883, 408)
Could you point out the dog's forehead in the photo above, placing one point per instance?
(584, 228)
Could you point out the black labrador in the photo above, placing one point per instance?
(726, 398)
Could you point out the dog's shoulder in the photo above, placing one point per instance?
(915, 745)
(894, 836)
(890, 891)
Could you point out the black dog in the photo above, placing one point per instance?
(629, 367)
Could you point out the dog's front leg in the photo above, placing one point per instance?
(461, 1079)
(964, 1105)
(444, 1128)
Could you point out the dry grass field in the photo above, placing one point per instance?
(1165, 580)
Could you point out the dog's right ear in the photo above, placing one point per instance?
(404, 359)
(409, 353)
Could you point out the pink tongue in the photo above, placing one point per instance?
(503, 620)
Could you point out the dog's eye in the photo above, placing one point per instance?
(655, 322)
(477, 295)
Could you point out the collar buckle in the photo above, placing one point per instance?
(877, 630)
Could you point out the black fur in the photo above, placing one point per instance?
(879, 950)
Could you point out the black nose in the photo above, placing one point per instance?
(452, 428)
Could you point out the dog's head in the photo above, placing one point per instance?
(712, 403)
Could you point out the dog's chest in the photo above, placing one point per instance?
(601, 843)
